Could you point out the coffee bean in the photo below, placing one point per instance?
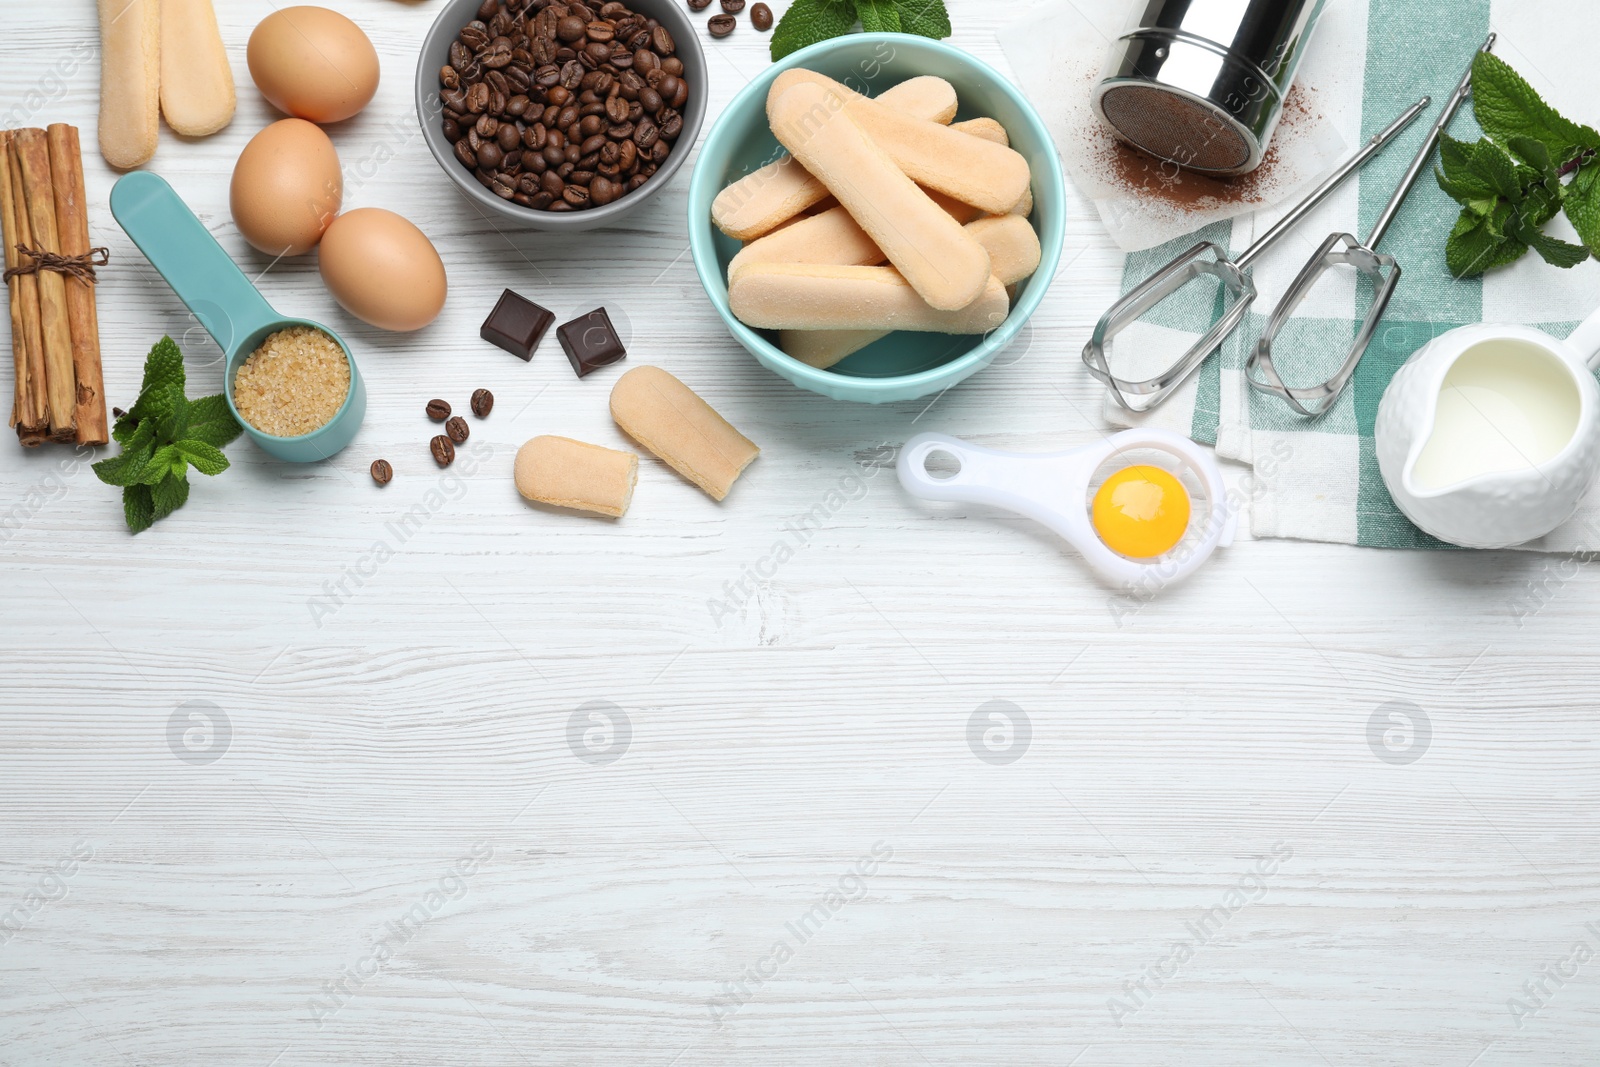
(382, 473)
(457, 429)
(761, 17)
(562, 105)
(482, 402)
(721, 25)
(438, 410)
(444, 453)
(699, 5)
(498, 54)
(733, 7)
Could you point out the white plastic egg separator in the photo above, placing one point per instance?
(1053, 488)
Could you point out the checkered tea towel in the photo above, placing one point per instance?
(1318, 479)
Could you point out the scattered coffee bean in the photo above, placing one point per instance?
(721, 25)
(530, 88)
(444, 453)
(761, 17)
(382, 473)
(482, 403)
(457, 429)
(733, 7)
(438, 410)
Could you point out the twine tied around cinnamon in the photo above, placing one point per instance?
(80, 267)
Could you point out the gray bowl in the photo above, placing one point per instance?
(436, 53)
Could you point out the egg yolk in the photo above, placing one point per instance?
(1141, 512)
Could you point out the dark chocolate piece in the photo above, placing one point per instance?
(517, 325)
(591, 342)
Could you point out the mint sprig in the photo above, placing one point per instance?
(1533, 165)
(809, 21)
(162, 436)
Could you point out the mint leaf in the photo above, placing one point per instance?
(211, 421)
(809, 21)
(1556, 252)
(1583, 205)
(163, 367)
(1507, 106)
(160, 464)
(1477, 244)
(123, 470)
(925, 18)
(1482, 169)
(168, 495)
(138, 508)
(1536, 154)
(161, 435)
(206, 458)
(879, 16)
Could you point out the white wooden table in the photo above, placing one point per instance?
(401, 850)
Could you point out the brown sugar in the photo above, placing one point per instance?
(294, 383)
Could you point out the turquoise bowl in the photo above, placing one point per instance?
(902, 366)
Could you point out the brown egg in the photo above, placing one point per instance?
(313, 63)
(287, 187)
(383, 270)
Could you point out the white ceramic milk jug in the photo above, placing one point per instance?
(1489, 436)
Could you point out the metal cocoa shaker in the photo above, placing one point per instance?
(1201, 83)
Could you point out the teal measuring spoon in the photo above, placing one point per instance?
(230, 308)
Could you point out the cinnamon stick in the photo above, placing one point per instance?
(8, 238)
(33, 154)
(72, 222)
(31, 415)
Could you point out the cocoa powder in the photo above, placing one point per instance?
(1137, 174)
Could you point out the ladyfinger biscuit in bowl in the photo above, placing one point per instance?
(986, 128)
(831, 236)
(972, 169)
(946, 267)
(817, 296)
(577, 475)
(766, 198)
(684, 431)
(1014, 251)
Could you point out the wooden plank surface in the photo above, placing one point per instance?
(422, 760)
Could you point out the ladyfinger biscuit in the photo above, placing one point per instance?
(946, 267)
(973, 170)
(817, 296)
(684, 432)
(130, 81)
(197, 95)
(986, 128)
(764, 199)
(1013, 250)
(832, 236)
(573, 474)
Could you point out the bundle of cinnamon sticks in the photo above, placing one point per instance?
(49, 269)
